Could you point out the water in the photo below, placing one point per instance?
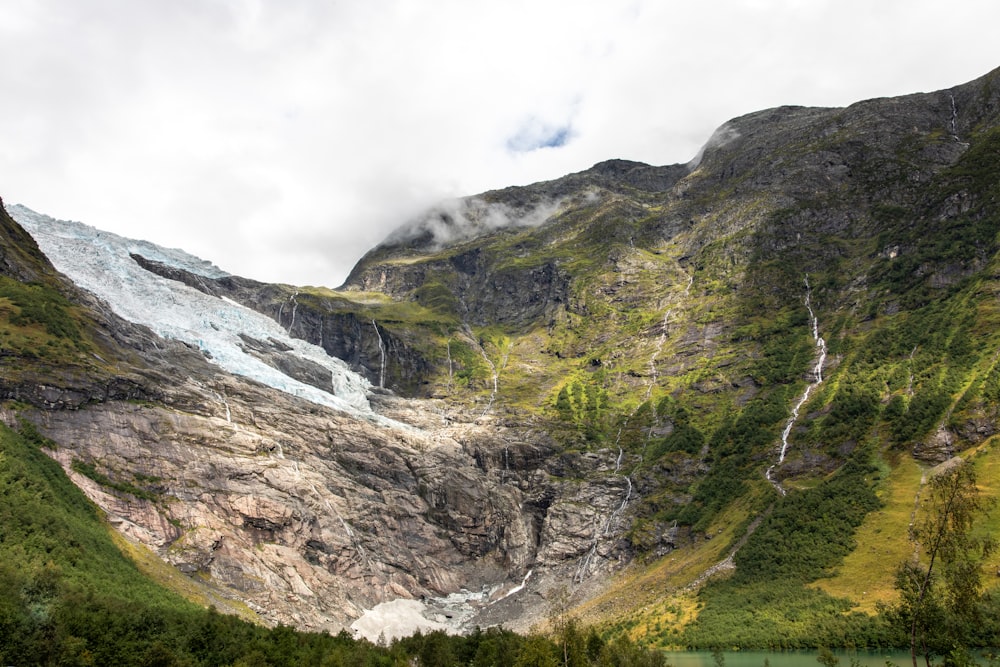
(794, 658)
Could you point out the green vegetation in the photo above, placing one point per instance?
(941, 607)
(683, 338)
(673, 325)
(766, 604)
(88, 470)
(40, 304)
(703, 376)
(69, 597)
(584, 404)
(37, 322)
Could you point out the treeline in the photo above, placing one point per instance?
(766, 603)
(57, 626)
(69, 597)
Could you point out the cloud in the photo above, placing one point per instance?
(725, 134)
(456, 220)
(282, 140)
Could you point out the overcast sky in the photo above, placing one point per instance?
(281, 139)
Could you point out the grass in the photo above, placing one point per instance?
(193, 589)
(748, 263)
(867, 574)
(986, 458)
(645, 596)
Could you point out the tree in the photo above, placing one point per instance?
(827, 658)
(536, 651)
(940, 594)
(566, 632)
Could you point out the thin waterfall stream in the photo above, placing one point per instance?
(381, 350)
(612, 521)
(728, 563)
(817, 378)
(295, 305)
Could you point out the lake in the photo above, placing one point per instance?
(790, 658)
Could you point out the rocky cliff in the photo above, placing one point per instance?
(309, 515)
(631, 365)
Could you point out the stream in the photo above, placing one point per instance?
(817, 378)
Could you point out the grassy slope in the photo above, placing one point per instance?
(50, 527)
(912, 341)
(59, 563)
(912, 338)
(866, 574)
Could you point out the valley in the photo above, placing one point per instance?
(692, 406)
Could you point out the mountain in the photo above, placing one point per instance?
(695, 402)
(257, 463)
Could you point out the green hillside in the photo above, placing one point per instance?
(779, 347)
(675, 322)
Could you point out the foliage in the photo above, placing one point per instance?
(584, 405)
(693, 383)
(731, 454)
(765, 604)
(38, 323)
(88, 470)
(941, 596)
(778, 615)
(809, 531)
(68, 596)
(40, 304)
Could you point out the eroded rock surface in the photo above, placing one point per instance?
(311, 516)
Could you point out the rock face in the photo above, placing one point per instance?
(580, 372)
(309, 515)
(312, 517)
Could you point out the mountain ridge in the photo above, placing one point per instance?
(608, 365)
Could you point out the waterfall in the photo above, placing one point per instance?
(953, 123)
(221, 398)
(281, 311)
(381, 349)
(615, 515)
(613, 519)
(656, 352)
(358, 547)
(519, 587)
(493, 369)
(817, 378)
(583, 570)
(451, 369)
(225, 402)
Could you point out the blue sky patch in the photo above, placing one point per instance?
(535, 134)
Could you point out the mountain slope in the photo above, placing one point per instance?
(308, 510)
(666, 373)
(675, 327)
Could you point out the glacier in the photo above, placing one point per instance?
(100, 262)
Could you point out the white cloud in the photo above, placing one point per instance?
(454, 220)
(281, 140)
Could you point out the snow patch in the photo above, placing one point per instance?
(395, 619)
